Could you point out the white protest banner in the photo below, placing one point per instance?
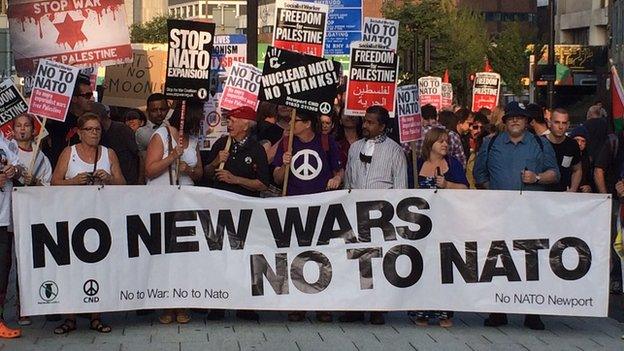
(430, 91)
(447, 95)
(12, 104)
(130, 85)
(300, 27)
(485, 91)
(53, 89)
(241, 87)
(196, 247)
(189, 59)
(382, 31)
(372, 80)
(213, 126)
(81, 33)
(408, 113)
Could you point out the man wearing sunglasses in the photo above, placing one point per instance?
(62, 134)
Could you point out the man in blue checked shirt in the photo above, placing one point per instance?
(515, 159)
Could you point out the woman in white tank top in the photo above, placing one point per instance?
(163, 150)
(87, 163)
(77, 164)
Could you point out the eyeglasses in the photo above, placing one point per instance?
(92, 129)
(87, 95)
(476, 126)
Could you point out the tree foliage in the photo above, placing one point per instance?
(459, 43)
(154, 31)
(509, 57)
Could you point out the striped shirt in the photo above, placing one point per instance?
(387, 169)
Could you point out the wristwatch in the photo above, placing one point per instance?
(537, 178)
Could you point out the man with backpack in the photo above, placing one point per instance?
(515, 159)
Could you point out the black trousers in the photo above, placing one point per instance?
(6, 247)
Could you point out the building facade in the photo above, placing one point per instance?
(616, 52)
(499, 12)
(228, 15)
(141, 11)
(583, 22)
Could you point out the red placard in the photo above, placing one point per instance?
(365, 94)
(53, 89)
(241, 87)
(485, 90)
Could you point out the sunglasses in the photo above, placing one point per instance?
(87, 95)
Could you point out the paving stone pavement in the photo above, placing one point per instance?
(274, 332)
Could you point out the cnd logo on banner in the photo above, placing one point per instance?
(171, 233)
(91, 287)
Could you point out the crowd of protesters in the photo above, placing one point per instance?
(516, 148)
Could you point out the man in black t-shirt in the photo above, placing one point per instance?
(567, 152)
(62, 134)
(608, 170)
(120, 138)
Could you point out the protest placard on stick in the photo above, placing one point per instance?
(188, 59)
(485, 90)
(447, 95)
(382, 31)
(408, 113)
(372, 79)
(12, 104)
(130, 84)
(241, 87)
(300, 81)
(300, 27)
(430, 91)
(53, 89)
(81, 33)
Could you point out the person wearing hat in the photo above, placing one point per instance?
(580, 135)
(238, 163)
(515, 159)
(245, 168)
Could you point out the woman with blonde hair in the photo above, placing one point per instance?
(438, 170)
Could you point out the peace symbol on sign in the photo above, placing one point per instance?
(91, 287)
(306, 171)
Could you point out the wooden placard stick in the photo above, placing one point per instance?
(291, 136)
(180, 138)
(228, 143)
(37, 146)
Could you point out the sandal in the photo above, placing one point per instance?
(9, 333)
(166, 317)
(24, 321)
(445, 322)
(66, 327)
(422, 321)
(97, 325)
(182, 317)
